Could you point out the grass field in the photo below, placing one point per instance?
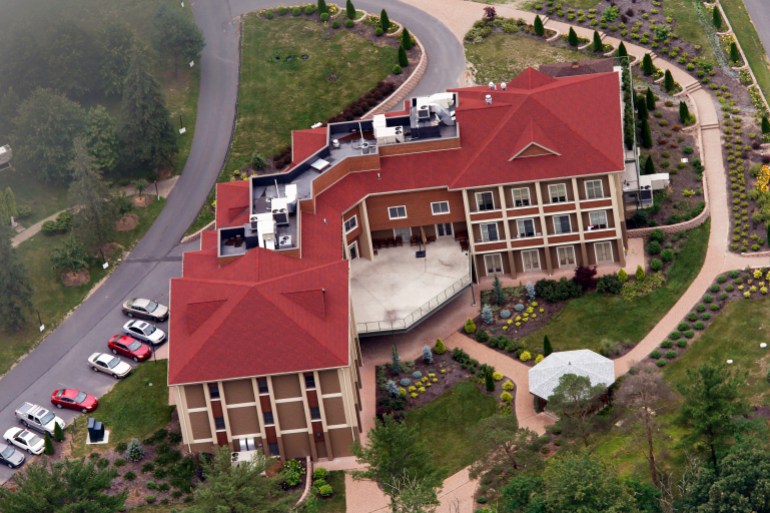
(501, 57)
(750, 42)
(445, 425)
(336, 504)
(584, 322)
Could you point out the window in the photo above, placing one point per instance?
(214, 390)
(597, 219)
(485, 201)
(273, 447)
(351, 224)
(398, 212)
(493, 263)
(561, 224)
(531, 260)
(594, 189)
(603, 252)
(219, 423)
(309, 380)
(353, 250)
(526, 227)
(489, 232)
(557, 192)
(439, 207)
(315, 413)
(521, 197)
(268, 416)
(566, 256)
(262, 384)
(247, 444)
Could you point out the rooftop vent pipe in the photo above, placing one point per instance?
(503, 86)
(492, 86)
(488, 99)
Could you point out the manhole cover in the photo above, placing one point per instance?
(289, 58)
(304, 57)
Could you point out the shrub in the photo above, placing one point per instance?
(699, 325)
(427, 355)
(656, 264)
(553, 291)
(324, 16)
(309, 9)
(609, 284)
(640, 274)
(505, 314)
(708, 298)
(675, 335)
(336, 24)
(134, 450)
(129, 476)
(666, 344)
(508, 386)
(470, 326)
(296, 11)
(623, 276)
(121, 447)
(292, 473)
(497, 376)
(661, 363)
(506, 397)
(525, 356)
(119, 462)
(655, 354)
(681, 343)
(147, 467)
(683, 326)
(688, 334)
(486, 315)
(653, 247)
(416, 375)
(258, 161)
(325, 490)
(667, 255)
(657, 235)
(349, 23)
(439, 347)
(396, 68)
(320, 473)
(671, 354)
(482, 336)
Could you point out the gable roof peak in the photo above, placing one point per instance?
(530, 79)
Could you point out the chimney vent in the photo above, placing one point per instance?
(488, 99)
(492, 86)
(503, 86)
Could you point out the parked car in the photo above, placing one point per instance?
(128, 346)
(145, 309)
(74, 400)
(109, 364)
(144, 331)
(10, 456)
(25, 440)
(38, 418)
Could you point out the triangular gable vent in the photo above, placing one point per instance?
(534, 149)
(313, 301)
(199, 313)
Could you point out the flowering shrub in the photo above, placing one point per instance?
(508, 386)
(539, 358)
(765, 170)
(525, 356)
(497, 376)
(506, 397)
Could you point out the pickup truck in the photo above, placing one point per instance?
(38, 418)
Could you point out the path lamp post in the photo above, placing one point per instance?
(41, 326)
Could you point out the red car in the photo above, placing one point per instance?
(128, 346)
(74, 400)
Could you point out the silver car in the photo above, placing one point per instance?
(145, 309)
(10, 456)
(144, 331)
(109, 364)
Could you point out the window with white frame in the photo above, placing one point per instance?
(526, 227)
(562, 224)
(398, 212)
(557, 192)
(521, 197)
(530, 260)
(603, 252)
(351, 224)
(439, 207)
(594, 189)
(489, 232)
(493, 264)
(485, 201)
(597, 219)
(566, 256)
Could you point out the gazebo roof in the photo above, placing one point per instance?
(544, 377)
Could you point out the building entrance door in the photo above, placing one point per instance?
(444, 230)
(404, 233)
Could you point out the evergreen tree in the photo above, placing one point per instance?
(9, 106)
(649, 166)
(384, 21)
(650, 99)
(322, 7)
(668, 81)
(10, 203)
(439, 347)
(489, 382)
(396, 363)
(58, 434)
(176, 36)
(498, 294)
(648, 68)
(406, 39)
(684, 113)
(597, 46)
(646, 134)
(403, 60)
(765, 125)
(5, 213)
(538, 26)
(622, 52)
(117, 40)
(716, 18)
(147, 135)
(15, 288)
(641, 108)
(350, 10)
(547, 349)
(101, 138)
(572, 37)
(48, 445)
(735, 55)
(574, 400)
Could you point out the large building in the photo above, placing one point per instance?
(524, 178)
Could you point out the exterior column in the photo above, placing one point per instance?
(579, 215)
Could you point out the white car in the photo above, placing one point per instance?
(25, 440)
(109, 364)
(143, 330)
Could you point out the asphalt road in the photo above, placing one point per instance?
(60, 360)
(759, 11)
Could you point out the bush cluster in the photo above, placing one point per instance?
(609, 284)
(553, 291)
(62, 224)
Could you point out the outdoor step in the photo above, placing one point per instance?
(693, 86)
(709, 126)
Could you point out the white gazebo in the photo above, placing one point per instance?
(544, 377)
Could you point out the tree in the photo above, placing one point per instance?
(439, 347)
(490, 13)
(403, 60)
(641, 108)
(46, 124)
(646, 139)
(95, 218)
(384, 21)
(650, 97)
(572, 37)
(396, 455)
(241, 488)
(501, 444)
(716, 18)
(648, 68)
(101, 138)
(622, 52)
(58, 433)
(684, 113)
(176, 36)
(574, 400)
(547, 349)
(48, 445)
(15, 288)
(134, 450)
(9, 106)
(5, 213)
(668, 81)
(396, 363)
(735, 54)
(71, 257)
(427, 355)
(498, 294)
(117, 40)
(10, 203)
(412, 494)
(649, 166)
(350, 10)
(489, 382)
(765, 125)
(322, 7)
(406, 39)
(712, 403)
(643, 396)
(62, 487)
(597, 45)
(146, 134)
(538, 26)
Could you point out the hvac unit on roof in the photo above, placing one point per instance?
(254, 221)
(423, 112)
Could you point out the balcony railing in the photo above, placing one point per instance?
(411, 319)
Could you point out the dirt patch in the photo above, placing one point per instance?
(77, 279)
(127, 223)
(112, 249)
(141, 201)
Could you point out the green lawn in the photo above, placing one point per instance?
(501, 57)
(445, 425)
(51, 298)
(688, 24)
(585, 322)
(336, 504)
(750, 42)
(135, 408)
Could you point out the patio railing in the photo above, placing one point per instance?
(415, 316)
